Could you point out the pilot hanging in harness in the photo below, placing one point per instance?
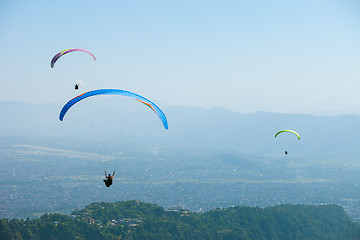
(108, 179)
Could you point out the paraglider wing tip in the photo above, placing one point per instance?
(165, 124)
(61, 116)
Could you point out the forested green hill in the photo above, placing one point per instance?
(138, 220)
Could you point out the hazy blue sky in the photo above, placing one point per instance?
(279, 56)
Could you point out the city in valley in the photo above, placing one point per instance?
(48, 175)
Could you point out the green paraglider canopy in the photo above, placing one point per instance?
(291, 131)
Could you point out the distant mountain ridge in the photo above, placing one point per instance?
(138, 220)
(188, 126)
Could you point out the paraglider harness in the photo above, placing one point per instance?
(76, 86)
(109, 179)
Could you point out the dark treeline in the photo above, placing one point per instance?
(137, 220)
